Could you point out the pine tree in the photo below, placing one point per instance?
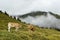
(6, 13)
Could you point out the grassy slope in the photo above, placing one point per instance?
(23, 33)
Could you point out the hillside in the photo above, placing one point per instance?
(56, 15)
(23, 33)
(39, 13)
(33, 14)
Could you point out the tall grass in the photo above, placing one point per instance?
(23, 33)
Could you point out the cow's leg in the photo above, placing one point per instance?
(16, 28)
(9, 28)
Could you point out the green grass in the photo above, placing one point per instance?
(23, 33)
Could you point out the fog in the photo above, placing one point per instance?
(20, 7)
(43, 21)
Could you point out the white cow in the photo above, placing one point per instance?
(13, 24)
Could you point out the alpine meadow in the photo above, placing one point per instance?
(23, 33)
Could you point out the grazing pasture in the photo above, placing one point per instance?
(23, 33)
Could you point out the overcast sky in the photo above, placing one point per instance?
(19, 7)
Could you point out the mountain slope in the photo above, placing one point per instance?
(56, 15)
(23, 33)
(39, 13)
(42, 19)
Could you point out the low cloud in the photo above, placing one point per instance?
(43, 21)
(20, 7)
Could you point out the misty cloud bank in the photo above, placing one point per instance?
(20, 7)
(43, 21)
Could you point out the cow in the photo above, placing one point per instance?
(13, 24)
(30, 27)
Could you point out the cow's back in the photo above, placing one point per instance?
(13, 24)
